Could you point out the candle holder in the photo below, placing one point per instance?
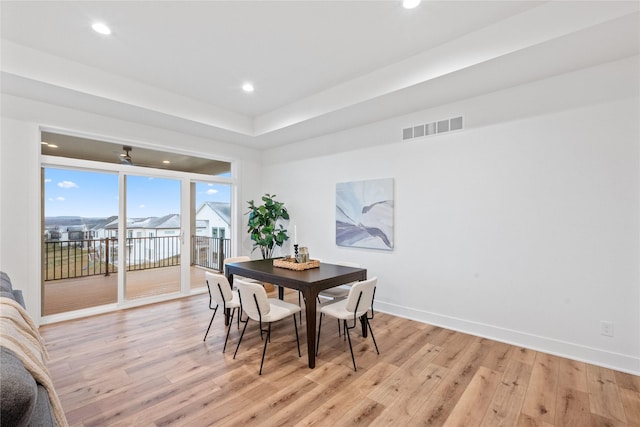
(295, 252)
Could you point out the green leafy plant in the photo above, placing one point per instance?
(264, 229)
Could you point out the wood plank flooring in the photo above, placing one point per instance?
(148, 366)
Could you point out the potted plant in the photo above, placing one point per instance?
(264, 228)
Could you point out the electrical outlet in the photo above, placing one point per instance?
(606, 328)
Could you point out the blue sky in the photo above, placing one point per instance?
(93, 194)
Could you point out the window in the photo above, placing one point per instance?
(160, 248)
(218, 232)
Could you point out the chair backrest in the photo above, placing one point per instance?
(242, 258)
(219, 294)
(367, 289)
(247, 290)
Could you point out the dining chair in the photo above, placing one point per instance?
(242, 258)
(255, 304)
(220, 293)
(339, 291)
(356, 306)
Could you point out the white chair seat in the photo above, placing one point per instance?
(338, 292)
(337, 309)
(279, 310)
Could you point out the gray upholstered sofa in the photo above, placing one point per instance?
(24, 401)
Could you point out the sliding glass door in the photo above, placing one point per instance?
(154, 236)
(211, 228)
(125, 226)
(79, 255)
(87, 243)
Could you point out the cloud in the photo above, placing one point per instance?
(141, 206)
(60, 199)
(47, 180)
(67, 184)
(212, 191)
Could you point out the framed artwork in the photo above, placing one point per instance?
(364, 214)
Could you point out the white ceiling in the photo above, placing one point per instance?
(318, 66)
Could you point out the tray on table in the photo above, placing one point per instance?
(291, 264)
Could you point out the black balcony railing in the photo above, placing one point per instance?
(209, 252)
(144, 253)
(79, 258)
(66, 259)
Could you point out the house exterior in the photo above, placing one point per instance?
(100, 230)
(167, 225)
(75, 229)
(152, 239)
(214, 220)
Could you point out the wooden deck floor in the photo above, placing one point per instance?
(74, 294)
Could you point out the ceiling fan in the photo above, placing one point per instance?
(125, 158)
(144, 156)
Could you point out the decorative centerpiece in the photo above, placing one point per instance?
(291, 264)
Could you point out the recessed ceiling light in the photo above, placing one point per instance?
(52, 145)
(101, 28)
(44, 143)
(247, 87)
(166, 162)
(410, 4)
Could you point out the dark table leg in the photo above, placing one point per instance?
(227, 313)
(310, 300)
(363, 322)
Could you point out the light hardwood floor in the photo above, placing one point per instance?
(148, 366)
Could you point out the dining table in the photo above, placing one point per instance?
(309, 282)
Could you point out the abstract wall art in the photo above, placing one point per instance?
(364, 214)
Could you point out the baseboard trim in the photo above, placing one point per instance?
(594, 356)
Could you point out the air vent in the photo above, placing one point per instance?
(440, 126)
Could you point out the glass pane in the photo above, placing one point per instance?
(210, 239)
(153, 236)
(78, 257)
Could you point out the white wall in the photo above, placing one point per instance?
(20, 176)
(524, 227)
(20, 207)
